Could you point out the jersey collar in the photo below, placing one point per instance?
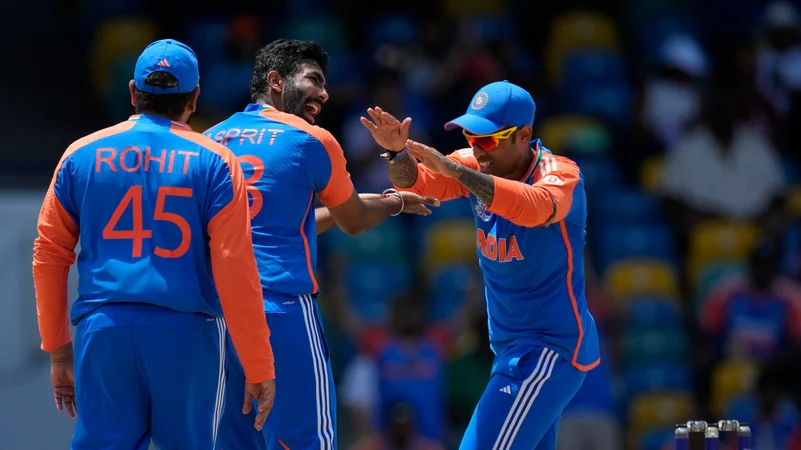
(259, 107)
(158, 120)
(535, 147)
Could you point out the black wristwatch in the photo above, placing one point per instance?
(389, 155)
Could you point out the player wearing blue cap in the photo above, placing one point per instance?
(288, 162)
(530, 212)
(161, 213)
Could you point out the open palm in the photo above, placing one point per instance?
(387, 131)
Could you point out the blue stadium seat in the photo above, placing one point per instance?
(593, 66)
(656, 345)
(598, 171)
(610, 101)
(791, 171)
(397, 29)
(646, 312)
(321, 29)
(207, 38)
(652, 31)
(449, 287)
(371, 286)
(492, 28)
(637, 9)
(386, 242)
(645, 377)
(226, 87)
(656, 439)
(623, 205)
(616, 242)
(343, 69)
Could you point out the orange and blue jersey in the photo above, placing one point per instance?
(761, 325)
(530, 245)
(286, 162)
(161, 216)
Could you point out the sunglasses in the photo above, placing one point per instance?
(488, 142)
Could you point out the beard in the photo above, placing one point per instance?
(294, 99)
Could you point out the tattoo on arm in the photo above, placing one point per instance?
(480, 184)
(403, 170)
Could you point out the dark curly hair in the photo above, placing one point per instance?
(169, 105)
(285, 57)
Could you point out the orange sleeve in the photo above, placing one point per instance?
(235, 272)
(546, 201)
(439, 186)
(338, 186)
(53, 254)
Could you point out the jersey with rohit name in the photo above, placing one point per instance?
(286, 162)
(530, 245)
(152, 205)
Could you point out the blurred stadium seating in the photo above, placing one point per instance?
(588, 84)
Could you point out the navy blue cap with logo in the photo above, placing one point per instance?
(495, 106)
(173, 57)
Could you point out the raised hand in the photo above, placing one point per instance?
(387, 131)
(433, 159)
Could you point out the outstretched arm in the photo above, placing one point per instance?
(325, 221)
(404, 172)
(546, 201)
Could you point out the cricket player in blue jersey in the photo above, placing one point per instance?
(161, 213)
(530, 212)
(287, 161)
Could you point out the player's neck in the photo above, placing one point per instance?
(272, 102)
(182, 119)
(524, 164)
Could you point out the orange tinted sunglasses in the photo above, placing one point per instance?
(488, 142)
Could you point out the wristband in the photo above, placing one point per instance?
(389, 155)
(391, 191)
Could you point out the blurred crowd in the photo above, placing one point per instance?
(685, 118)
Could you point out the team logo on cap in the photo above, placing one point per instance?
(480, 101)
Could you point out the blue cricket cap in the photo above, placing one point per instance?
(173, 57)
(495, 106)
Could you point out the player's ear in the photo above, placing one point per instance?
(275, 81)
(525, 133)
(192, 106)
(132, 92)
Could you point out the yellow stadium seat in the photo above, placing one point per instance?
(730, 379)
(719, 240)
(556, 132)
(575, 31)
(450, 241)
(659, 409)
(641, 277)
(116, 37)
(651, 174)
